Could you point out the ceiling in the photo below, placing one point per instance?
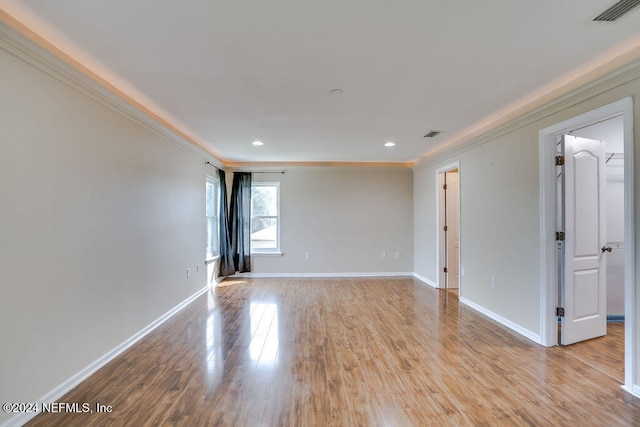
(229, 72)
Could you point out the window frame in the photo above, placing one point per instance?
(268, 251)
(211, 255)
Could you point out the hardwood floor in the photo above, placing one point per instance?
(604, 354)
(343, 352)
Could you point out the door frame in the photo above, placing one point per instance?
(440, 241)
(548, 205)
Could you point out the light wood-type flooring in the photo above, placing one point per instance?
(604, 354)
(344, 352)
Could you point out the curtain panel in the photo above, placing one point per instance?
(240, 221)
(226, 266)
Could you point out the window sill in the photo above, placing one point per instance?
(212, 259)
(266, 254)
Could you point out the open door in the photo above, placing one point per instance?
(448, 215)
(584, 287)
(451, 225)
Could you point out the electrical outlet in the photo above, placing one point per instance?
(307, 255)
(493, 282)
(383, 254)
(197, 268)
(188, 273)
(397, 255)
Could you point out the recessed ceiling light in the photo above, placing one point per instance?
(258, 143)
(336, 91)
(389, 144)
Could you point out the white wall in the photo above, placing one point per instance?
(345, 217)
(499, 189)
(498, 227)
(99, 219)
(611, 132)
(425, 236)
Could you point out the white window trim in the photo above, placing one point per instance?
(271, 251)
(209, 258)
(266, 254)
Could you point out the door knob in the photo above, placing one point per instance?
(606, 249)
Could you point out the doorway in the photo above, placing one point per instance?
(550, 279)
(611, 132)
(448, 190)
(584, 251)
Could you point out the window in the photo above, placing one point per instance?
(213, 221)
(265, 217)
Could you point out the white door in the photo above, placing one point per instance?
(584, 290)
(453, 245)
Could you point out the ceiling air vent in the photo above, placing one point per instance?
(617, 10)
(433, 133)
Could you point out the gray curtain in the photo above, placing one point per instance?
(240, 221)
(226, 266)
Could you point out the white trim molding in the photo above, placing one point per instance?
(303, 275)
(598, 86)
(268, 251)
(505, 322)
(267, 254)
(425, 280)
(548, 208)
(85, 373)
(440, 243)
(635, 390)
(26, 50)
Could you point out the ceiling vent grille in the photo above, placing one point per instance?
(617, 10)
(433, 133)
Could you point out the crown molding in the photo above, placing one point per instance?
(258, 166)
(24, 44)
(596, 87)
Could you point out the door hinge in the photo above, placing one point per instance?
(445, 269)
(559, 311)
(560, 236)
(444, 187)
(559, 160)
(446, 228)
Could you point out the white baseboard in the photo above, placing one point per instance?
(634, 390)
(425, 280)
(76, 379)
(302, 275)
(509, 324)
